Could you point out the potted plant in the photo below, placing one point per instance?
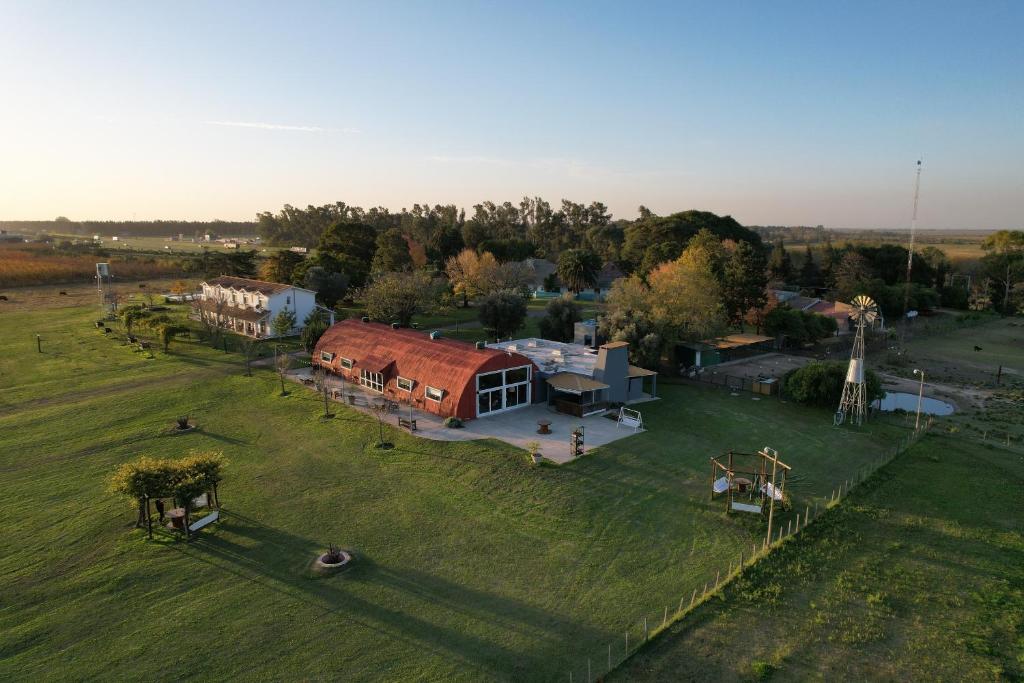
(534, 449)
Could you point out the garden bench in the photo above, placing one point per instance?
(408, 424)
(208, 519)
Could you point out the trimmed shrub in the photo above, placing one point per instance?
(821, 384)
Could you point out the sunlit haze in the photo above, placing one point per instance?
(775, 113)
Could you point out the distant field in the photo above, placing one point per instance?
(166, 245)
(470, 563)
(24, 264)
(917, 576)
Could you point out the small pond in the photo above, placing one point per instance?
(898, 400)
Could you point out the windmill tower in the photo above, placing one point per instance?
(854, 402)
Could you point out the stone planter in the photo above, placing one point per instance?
(330, 567)
(537, 457)
(177, 430)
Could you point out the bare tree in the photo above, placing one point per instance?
(283, 363)
(210, 314)
(250, 349)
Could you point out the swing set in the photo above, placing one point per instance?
(749, 480)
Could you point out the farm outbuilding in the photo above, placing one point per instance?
(446, 377)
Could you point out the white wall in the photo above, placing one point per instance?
(298, 301)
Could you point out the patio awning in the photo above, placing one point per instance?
(572, 383)
(246, 314)
(373, 364)
(634, 371)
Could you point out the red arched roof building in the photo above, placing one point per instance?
(442, 376)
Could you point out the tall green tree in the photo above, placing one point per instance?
(809, 275)
(392, 253)
(398, 297)
(559, 321)
(1003, 264)
(743, 282)
(780, 265)
(352, 246)
(280, 266)
(502, 312)
(578, 269)
(330, 287)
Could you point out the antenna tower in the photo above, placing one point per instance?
(910, 253)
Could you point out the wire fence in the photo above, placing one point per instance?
(599, 663)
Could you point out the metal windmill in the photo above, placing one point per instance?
(854, 402)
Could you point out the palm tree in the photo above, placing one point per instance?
(578, 269)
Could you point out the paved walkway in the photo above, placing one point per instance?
(516, 427)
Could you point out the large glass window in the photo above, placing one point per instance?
(434, 394)
(372, 380)
(405, 384)
(491, 380)
(502, 390)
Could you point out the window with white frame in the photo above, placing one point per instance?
(372, 380)
(346, 363)
(502, 390)
(326, 356)
(433, 393)
(405, 384)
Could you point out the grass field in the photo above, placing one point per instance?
(470, 563)
(918, 575)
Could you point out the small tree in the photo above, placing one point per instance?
(380, 409)
(503, 312)
(314, 327)
(169, 331)
(559, 321)
(283, 323)
(282, 363)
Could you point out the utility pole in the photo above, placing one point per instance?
(920, 398)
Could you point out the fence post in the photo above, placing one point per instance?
(664, 619)
(645, 629)
(609, 657)
(627, 643)
(693, 597)
(798, 522)
(789, 527)
(718, 576)
(807, 515)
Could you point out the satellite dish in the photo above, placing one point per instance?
(864, 308)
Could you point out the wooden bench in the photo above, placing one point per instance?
(408, 424)
(208, 519)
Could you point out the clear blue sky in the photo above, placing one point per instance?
(776, 113)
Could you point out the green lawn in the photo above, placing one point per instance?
(918, 575)
(470, 563)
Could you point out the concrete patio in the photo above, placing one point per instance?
(517, 427)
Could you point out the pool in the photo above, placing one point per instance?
(898, 400)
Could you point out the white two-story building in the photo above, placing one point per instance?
(249, 306)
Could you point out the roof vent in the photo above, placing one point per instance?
(436, 334)
(480, 345)
(395, 326)
(365, 319)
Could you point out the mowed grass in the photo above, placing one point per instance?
(918, 575)
(470, 563)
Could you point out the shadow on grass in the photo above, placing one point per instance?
(432, 606)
